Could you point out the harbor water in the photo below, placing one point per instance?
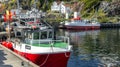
(95, 48)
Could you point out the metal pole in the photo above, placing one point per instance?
(18, 7)
(35, 2)
(18, 4)
(35, 12)
(9, 29)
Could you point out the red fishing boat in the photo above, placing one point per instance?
(40, 45)
(79, 24)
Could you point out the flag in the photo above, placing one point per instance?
(8, 15)
(7, 12)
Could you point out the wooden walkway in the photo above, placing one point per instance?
(10, 59)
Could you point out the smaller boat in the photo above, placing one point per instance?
(79, 24)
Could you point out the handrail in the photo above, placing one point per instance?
(50, 42)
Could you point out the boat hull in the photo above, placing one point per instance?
(47, 60)
(83, 27)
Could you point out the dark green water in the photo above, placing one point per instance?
(96, 48)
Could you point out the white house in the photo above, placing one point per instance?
(33, 13)
(3, 0)
(60, 7)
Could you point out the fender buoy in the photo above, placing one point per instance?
(9, 45)
(4, 43)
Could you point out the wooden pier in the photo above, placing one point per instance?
(9, 58)
(110, 25)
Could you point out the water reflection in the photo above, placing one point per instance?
(96, 48)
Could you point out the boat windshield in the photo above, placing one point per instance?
(39, 37)
(42, 35)
(36, 35)
(45, 39)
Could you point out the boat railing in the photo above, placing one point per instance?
(64, 41)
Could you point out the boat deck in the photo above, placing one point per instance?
(56, 44)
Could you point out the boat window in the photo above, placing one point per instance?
(36, 35)
(18, 33)
(44, 35)
(76, 21)
(14, 24)
(50, 34)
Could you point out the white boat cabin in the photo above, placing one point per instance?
(32, 36)
(38, 37)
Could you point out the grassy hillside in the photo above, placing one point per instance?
(87, 8)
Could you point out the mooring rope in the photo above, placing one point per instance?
(45, 60)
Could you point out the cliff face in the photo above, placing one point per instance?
(113, 8)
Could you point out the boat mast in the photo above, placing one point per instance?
(18, 4)
(18, 7)
(35, 4)
(35, 10)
